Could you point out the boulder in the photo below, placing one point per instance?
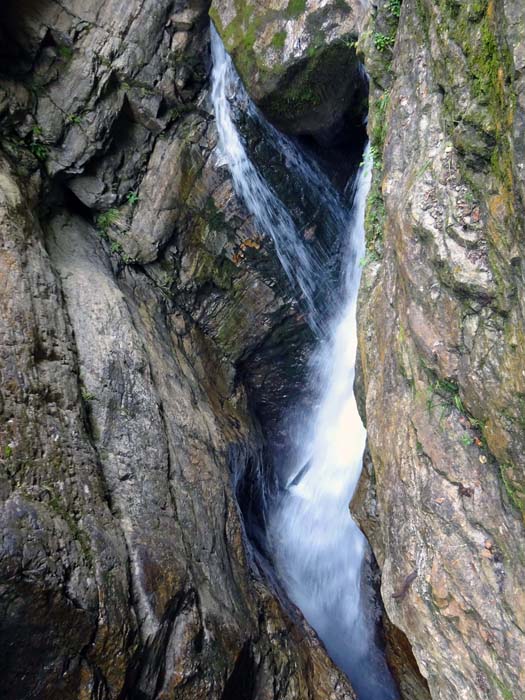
(297, 59)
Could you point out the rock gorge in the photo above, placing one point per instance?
(150, 342)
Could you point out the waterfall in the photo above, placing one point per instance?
(305, 270)
(316, 547)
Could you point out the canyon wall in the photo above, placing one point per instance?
(148, 336)
(441, 339)
(135, 292)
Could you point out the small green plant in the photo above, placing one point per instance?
(443, 393)
(383, 41)
(466, 440)
(369, 258)
(8, 451)
(458, 403)
(369, 158)
(37, 147)
(278, 40)
(65, 52)
(375, 153)
(180, 110)
(116, 247)
(73, 119)
(350, 43)
(378, 135)
(313, 50)
(166, 281)
(426, 165)
(374, 218)
(106, 220)
(394, 7)
(132, 197)
(477, 424)
(104, 61)
(39, 150)
(87, 395)
(446, 385)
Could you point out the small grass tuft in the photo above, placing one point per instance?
(73, 119)
(106, 220)
(87, 395)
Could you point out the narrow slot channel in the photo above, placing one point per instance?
(315, 546)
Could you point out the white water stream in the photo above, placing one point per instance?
(317, 548)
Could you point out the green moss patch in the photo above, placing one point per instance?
(278, 40)
(295, 8)
(514, 487)
(474, 28)
(313, 89)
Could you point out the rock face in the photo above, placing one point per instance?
(441, 339)
(143, 316)
(297, 59)
(129, 303)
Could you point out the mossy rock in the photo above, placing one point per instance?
(297, 60)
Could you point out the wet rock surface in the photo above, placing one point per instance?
(147, 331)
(297, 59)
(134, 290)
(441, 322)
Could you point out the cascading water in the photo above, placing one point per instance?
(316, 547)
(304, 269)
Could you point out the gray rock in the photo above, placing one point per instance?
(124, 566)
(297, 59)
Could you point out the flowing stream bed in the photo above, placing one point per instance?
(317, 550)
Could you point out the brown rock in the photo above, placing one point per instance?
(440, 330)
